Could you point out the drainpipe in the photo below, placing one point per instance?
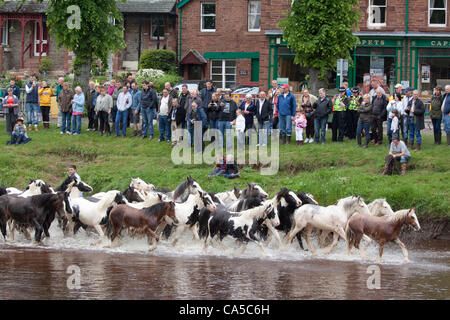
(406, 39)
(179, 37)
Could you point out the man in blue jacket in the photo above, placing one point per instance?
(136, 108)
(446, 113)
(286, 107)
(206, 94)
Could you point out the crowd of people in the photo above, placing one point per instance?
(126, 104)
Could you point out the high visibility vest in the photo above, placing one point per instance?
(353, 104)
(337, 105)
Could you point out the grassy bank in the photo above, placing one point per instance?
(330, 171)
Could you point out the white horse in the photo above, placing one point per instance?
(229, 196)
(380, 207)
(332, 219)
(92, 213)
(142, 186)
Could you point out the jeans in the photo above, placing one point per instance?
(225, 128)
(285, 125)
(320, 126)
(366, 127)
(436, 126)
(240, 140)
(216, 172)
(403, 159)
(65, 121)
(389, 131)
(121, 116)
(213, 125)
(164, 128)
(32, 111)
(447, 124)
(263, 132)
(104, 123)
(148, 114)
(405, 127)
(413, 131)
(231, 176)
(76, 124)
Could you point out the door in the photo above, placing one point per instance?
(255, 70)
(44, 37)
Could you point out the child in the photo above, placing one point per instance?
(221, 165)
(19, 134)
(231, 170)
(300, 124)
(73, 171)
(240, 129)
(394, 125)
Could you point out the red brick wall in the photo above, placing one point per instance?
(232, 33)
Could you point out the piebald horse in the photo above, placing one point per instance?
(74, 186)
(380, 229)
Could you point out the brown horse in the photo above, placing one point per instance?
(144, 221)
(380, 229)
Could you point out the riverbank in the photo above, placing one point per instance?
(329, 172)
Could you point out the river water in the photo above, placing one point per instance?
(184, 272)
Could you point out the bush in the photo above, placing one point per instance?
(148, 75)
(172, 78)
(164, 60)
(46, 64)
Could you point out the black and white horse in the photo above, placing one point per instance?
(75, 186)
(35, 187)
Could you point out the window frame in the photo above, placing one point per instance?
(248, 16)
(151, 30)
(436, 25)
(5, 34)
(223, 73)
(374, 24)
(207, 15)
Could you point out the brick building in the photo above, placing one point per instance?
(148, 24)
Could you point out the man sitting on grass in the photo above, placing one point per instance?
(398, 152)
(19, 134)
(231, 170)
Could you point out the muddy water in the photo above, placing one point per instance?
(184, 272)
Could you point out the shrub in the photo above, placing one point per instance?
(148, 75)
(159, 83)
(46, 64)
(159, 59)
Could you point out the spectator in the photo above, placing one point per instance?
(286, 106)
(19, 133)
(275, 119)
(240, 129)
(184, 96)
(436, 114)
(114, 96)
(415, 111)
(373, 92)
(300, 124)
(136, 94)
(231, 169)
(403, 115)
(193, 96)
(212, 112)
(348, 92)
(248, 111)
(398, 89)
(221, 165)
(322, 108)
(272, 98)
(206, 94)
(307, 101)
(365, 115)
(10, 110)
(1, 99)
(65, 106)
(124, 101)
(175, 123)
(355, 101)
(394, 124)
(112, 87)
(446, 112)
(197, 114)
(397, 152)
(89, 95)
(227, 118)
(59, 88)
(103, 107)
(78, 102)
(395, 104)
(219, 93)
(340, 103)
(149, 103)
(379, 103)
(263, 115)
(72, 170)
(16, 88)
(45, 100)
(32, 101)
(172, 92)
(163, 111)
(180, 119)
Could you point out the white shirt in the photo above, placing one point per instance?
(261, 102)
(405, 102)
(394, 124)
(124, 101)
(240, 123)
(392, 105)
(164, 108)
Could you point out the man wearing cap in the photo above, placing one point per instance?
(352, 113)
(404, 116)
(340, 103)
(398, 89)
(286, 107)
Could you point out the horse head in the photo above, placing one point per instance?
(207, 200)
(83, 187)
(169, 207)
(288, 198)
(133, 195)
(412, 219)
(237, 192)
(119, 198)
(272, 213)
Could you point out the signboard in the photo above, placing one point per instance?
(243, 72)
(425, 74)
(282, 81)
(345, 64)
(433, 43)
(380, 43)
(405, 84)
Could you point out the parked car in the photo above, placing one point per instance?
(191, 84)
(246, 88)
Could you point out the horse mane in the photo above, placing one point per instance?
(256, 212)
(180, 189)
(65, 183)
(398, 215)
(154, 209)
(43, 200)
(348, 202)
(109, 197)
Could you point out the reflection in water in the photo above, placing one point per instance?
(37, 273)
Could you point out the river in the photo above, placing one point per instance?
(184, 272)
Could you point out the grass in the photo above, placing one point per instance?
(330, 171)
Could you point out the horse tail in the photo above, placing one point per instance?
(349, 233)
(106, 221)
(203, 220)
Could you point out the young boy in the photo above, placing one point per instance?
(231, 170)
(19, 134)
(221, 165)
(73, 171)
(240, 129)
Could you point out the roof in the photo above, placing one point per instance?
(131, 6)
(193, 57)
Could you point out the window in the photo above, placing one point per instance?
(154, 31)
(437, 13)
(5, 33)
(377, 12)
(223, 73)
(254, 16)
(208, 17)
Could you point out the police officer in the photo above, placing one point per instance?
(355, 101)
(340, 103)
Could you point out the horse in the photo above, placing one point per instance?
(242, 226)
(380, 207)
(75, 185)
(229, 196)
(141, 221)
(380, 229)
(151, 199)
(216, 199)
(141, 186)
(35, 187)
(306, 198)
(37, 211)
(87, 213)
(253, 190)
(244, 204)
(133, 195)
(182, 192)
(332, 218)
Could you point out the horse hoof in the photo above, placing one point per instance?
(406, 261)
(35, 243)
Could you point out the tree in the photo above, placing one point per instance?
(320, 32)
(87, 29)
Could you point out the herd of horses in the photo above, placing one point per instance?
(247, 215)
